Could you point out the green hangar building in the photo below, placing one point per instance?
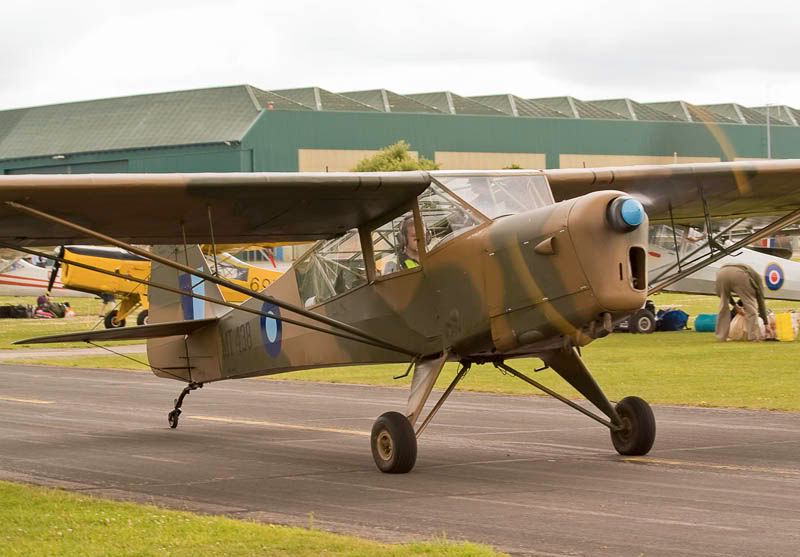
(246, 129)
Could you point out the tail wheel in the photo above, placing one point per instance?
(173, 417)
(638, 427)
(394, 443)
(141, 319)
(111, 322)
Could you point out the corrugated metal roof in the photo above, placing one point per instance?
(450, 103)
(676, 109)
(517, 106)
(270, 100)
(317, 98)
(222, 114)
(161, 119)
(691, 112)
(388, 101)
(632, 110)
(741, 114)
(577, 108)
(786, 114)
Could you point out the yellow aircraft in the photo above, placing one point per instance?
(132, 294)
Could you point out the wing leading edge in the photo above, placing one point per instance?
(725, 190)
(243, 207)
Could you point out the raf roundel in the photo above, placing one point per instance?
(271, 329)
(773, 276)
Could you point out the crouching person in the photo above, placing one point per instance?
(745, 283)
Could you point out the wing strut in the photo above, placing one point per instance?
(674, 238)
(768, 230)
(690, 257)
(61, 259)
(211, 278)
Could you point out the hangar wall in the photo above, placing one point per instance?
(214, 158)
(277, 140)
(593, 160)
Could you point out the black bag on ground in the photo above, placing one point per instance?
(17, 311)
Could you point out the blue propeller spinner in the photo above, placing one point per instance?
(632, 212)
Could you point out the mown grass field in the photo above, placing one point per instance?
(683, 367)
(86, 318)
(43, 522)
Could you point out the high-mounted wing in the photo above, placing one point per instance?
(690, 192)
(241, 207)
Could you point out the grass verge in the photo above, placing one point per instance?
(100, 362)
(683, 367)
(87, 318)
(36, 521)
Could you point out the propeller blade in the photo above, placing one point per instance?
(56, 267)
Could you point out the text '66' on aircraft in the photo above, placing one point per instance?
(417, 267)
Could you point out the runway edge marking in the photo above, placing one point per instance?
(711, 465)
(26, 400)
(279, 425)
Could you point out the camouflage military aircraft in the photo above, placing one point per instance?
(422, 268)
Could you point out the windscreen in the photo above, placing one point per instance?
(499, 195)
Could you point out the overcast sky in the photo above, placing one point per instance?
(698, 51)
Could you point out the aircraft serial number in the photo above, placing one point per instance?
(237, 340)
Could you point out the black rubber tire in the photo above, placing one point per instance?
(639, 431)
(109, 320)
(141, 319)
(394, 444)
(172, 418)
(643, 322)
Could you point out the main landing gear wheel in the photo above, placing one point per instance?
(141, 319)
(394, 443)
(643, 322)
(638, 427)
(111, 322)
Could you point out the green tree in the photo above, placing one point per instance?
(393, 158)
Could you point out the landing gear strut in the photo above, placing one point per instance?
(393, 439)
(175, 413)
(631, 420)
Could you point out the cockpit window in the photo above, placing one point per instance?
(226, 265)
(395, 245)
(444, 217)
(330, 268)
(495, 196)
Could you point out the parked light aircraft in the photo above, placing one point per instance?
(781, 276)
(132, 294)
(504, 267)
(19, 277)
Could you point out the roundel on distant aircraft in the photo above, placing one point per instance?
(773, 276)
(271, 329)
